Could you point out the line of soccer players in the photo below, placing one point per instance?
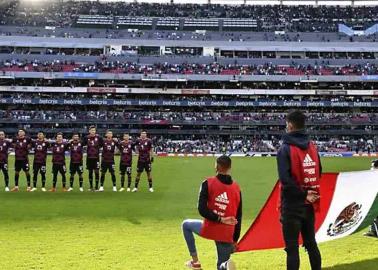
(93, 144)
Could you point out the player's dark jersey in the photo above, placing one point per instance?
(40, 151)
(108, 150)
(93, 146)
(21, 148)
(58, 153)
(144, 148)
(76, 152)
(126, 150)
(4, 147)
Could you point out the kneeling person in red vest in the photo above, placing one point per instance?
(220, 205)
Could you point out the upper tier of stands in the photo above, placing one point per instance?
(186, 16)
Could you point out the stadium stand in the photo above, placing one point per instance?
(200, 80)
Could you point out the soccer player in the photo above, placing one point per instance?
(4, 149)
(220, 204)
(145, 158)
(59, 161)
(93, 142)
(126, 148)
(107, 162)
(76, 162)
(299, 170)
(40, 145)
(21, 146)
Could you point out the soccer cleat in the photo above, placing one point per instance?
(115, 189)
(91, 190)
(128, 189)
(15, 189)
(101, 189)
(81, 189)
(134, 190)
(28, 189)
(69, 189)
(6, 189)
(229, 265)
(193, 265)
(64, 189)
(44, 189)
(52, 190)
(151, 189)
(121, 189)
(33, 189)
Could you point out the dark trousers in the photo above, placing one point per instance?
(304, 224)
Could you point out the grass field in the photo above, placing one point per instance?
(142, 230)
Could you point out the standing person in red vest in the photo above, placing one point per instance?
(220, 205)
(299, 170)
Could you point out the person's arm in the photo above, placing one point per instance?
(289, 187)
(239, 218)
(204, 211)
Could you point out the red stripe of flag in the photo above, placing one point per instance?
(265, 232)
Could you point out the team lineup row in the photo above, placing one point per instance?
(93, 143)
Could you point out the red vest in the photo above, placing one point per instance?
(305, 169)
(224, 201)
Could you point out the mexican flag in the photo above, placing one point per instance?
(346, 199)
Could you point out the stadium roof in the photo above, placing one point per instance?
(241, 2)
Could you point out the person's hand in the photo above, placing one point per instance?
(234, 247)
(229, 220)
(312, 196)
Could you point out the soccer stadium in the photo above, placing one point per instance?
(189, 134)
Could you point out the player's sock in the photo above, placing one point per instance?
(71, 181)
(64, 180)
(137, 182)
(91, 179)
(129, 181)
(102, 180)
(122, 180)
(16, 177)
(97, 175)
(150, 182)
(81, 181)
(6, 178)
(54, 180)
(28, 179)
(35, 176)
(114, 180)
(43, 179)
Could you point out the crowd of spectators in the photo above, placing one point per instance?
(298, 18)
(214, 68)
(256, 144)
(170, 117)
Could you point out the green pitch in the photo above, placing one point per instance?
(142, 230)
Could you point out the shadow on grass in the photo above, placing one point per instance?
(371, 264)
(133, 220)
